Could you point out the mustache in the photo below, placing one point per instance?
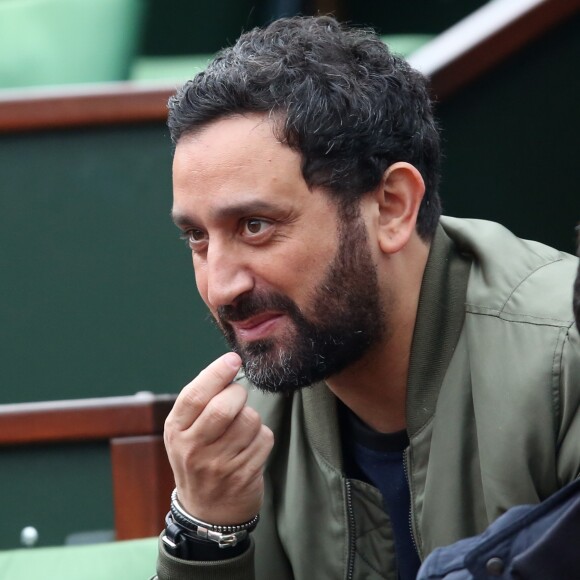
(249, 305)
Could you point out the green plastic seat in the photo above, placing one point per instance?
(127, 560)
(52, 42)
(406, 44)
(168, 68)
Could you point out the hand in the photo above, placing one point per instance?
(217, 446)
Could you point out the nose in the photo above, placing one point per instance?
(227, 276)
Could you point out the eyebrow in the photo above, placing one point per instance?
(181, 220)
(243, 208)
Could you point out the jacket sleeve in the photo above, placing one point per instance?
(238, 568)
(568, 459)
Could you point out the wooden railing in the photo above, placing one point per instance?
(451, 60)
(485, 38)
(133, 426)
(80, 106)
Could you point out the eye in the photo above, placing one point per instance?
(255, 226)
(195, 239)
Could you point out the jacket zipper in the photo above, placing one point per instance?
(351, 531)
(411, 518)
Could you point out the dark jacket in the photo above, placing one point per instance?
(539, 542)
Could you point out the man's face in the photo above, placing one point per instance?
(291, 284)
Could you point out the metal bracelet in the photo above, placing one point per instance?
(200, 527)
(179, 541)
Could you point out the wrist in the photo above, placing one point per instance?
(216, 512)
(224, 535)
(189, 538)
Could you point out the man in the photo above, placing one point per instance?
(440, 358)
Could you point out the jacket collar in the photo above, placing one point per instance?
(440, 317)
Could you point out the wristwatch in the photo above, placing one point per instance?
(188, 538)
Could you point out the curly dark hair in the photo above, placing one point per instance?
(337, 96)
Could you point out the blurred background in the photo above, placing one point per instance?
(97, 292)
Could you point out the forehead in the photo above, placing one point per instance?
(243, 143)
(235, 159)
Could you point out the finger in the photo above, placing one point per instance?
(251, 460)
(239, 474)
(196, 395)
(239, 434)
(227, 490)
(218, 415)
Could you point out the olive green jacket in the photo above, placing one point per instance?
(492, 415)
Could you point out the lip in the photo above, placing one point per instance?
(257, 327)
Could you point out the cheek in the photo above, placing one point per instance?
(298, 273)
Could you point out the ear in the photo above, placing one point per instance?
(399, 197)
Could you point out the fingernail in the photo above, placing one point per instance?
(233, 360)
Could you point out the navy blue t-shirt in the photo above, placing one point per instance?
(377, 458)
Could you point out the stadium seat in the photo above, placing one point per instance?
(52, 42)
(127, 560)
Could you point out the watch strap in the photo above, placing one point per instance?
(184, 544)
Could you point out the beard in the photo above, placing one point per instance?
(345, 320)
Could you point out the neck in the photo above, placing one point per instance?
(375, 387)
